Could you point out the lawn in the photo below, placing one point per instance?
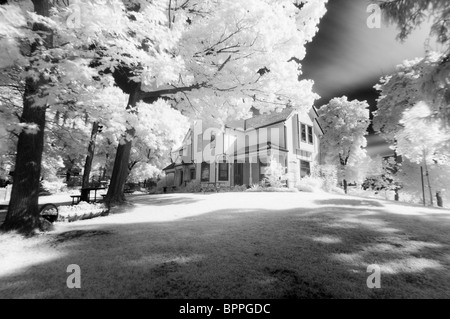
(237, 245)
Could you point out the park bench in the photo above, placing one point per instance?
(75, 198)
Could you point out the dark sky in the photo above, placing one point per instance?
(348, 58)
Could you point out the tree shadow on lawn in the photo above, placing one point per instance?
(166, 199)
(153, 200)
(295, 253)
(349, 202)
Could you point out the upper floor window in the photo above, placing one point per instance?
(306, 133)
(310, 135)
(303, 132)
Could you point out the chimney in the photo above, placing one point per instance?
(254, 111)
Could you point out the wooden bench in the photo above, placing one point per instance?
(77, 197)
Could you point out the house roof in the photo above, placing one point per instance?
(172, 165)
(261, 147)
(274, 117)
(267, 119)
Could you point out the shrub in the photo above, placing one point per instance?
(328, 175)
(192, 187)
(274, 174)
(209, 188)
(54, 187)
(260, 188)
(338, 190)
(238, 188)
(83, 210)
(310, 184)
(255, 188)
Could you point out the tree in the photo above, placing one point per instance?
(433, 84)
(345, 124)
(211, 59)
(56, 70)
(23, 210)
(412, 82)
(275, 174)
(159, 129)
(423, 140)
(409, 15)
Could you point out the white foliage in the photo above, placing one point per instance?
(345, 124)
(422, 138)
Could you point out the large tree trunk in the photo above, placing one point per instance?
(88, 163)
(120, 171)
(23, 209)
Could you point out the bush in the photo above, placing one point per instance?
(54, 187)
(255, 188)
(328, 175)
(192, 187)
(239, 188)
(83, 210)
(274, 174)
(310, 184)
(338, 190)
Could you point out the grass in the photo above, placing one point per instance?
(237, 245)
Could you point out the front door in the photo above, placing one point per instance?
(238, 173)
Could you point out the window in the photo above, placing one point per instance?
(180, 152)
(305, 168)
(223, 171)
(306, 133)
(192, 173)
(303, 132)
(310, 135)
(205, 172)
